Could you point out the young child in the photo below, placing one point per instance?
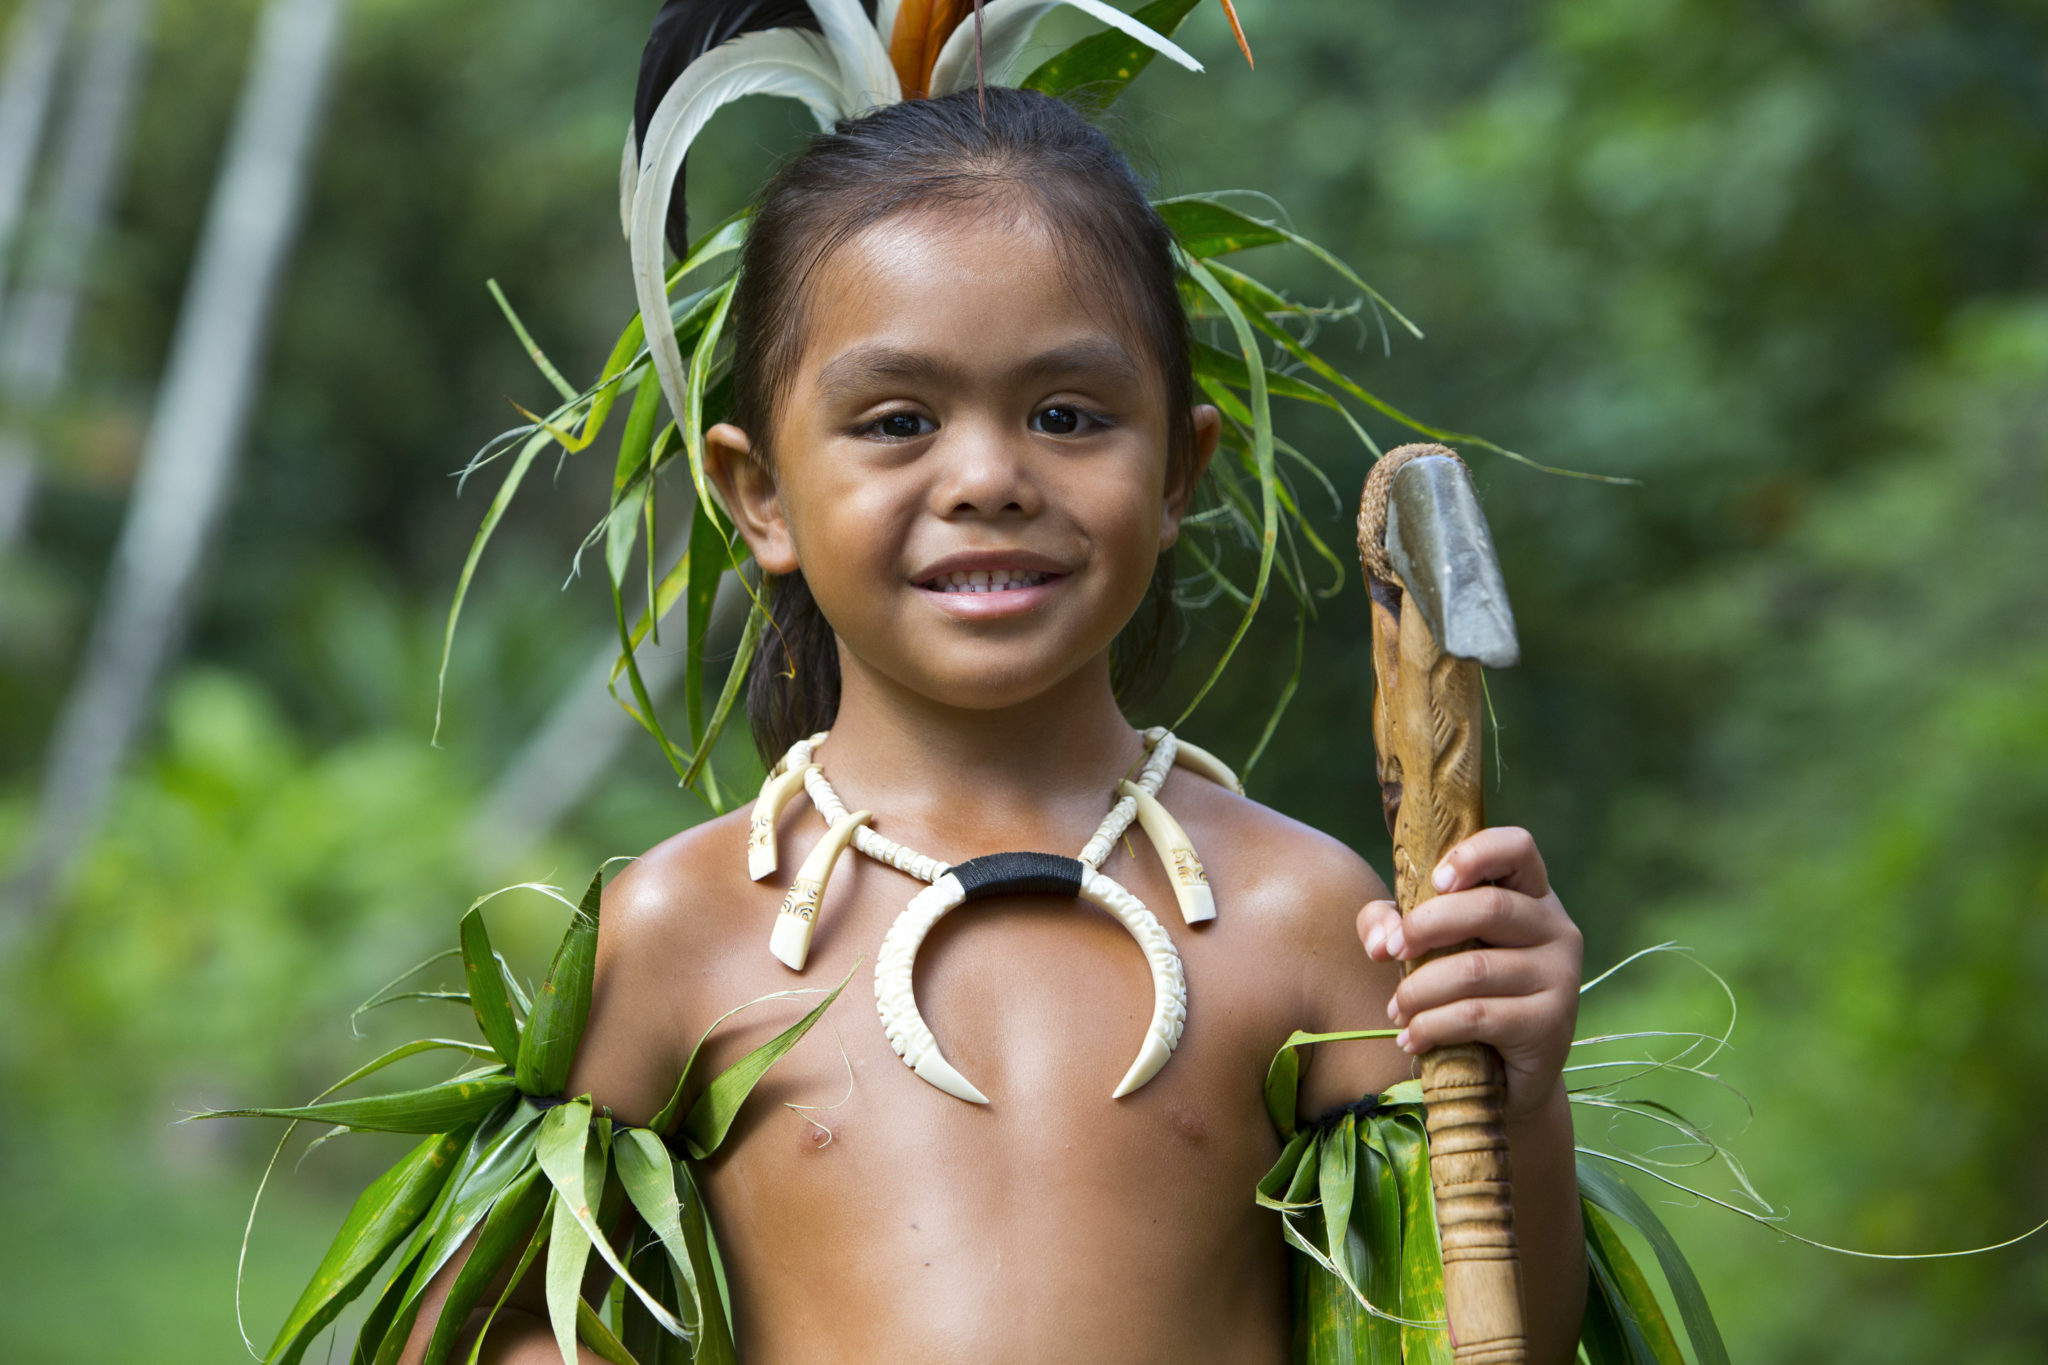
(962, 440)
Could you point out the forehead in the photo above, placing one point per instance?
(989, 290)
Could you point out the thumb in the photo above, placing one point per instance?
(1374, 923)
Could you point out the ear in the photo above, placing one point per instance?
(1180, 492)
(748, 490)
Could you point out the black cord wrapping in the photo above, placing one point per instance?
(1019, 874)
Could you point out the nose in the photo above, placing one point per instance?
(985, 473)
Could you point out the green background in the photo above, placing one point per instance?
(1784, 702)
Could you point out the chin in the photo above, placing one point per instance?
(985, 685)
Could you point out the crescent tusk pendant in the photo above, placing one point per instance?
(1014, 873)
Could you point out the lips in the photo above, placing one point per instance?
(989, 585)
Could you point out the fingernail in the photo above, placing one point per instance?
(1445, 876)
(1401, 1041)
(1375, 939)
(1393, 1009)
(1397, 943)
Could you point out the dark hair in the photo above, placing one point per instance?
(949, 152)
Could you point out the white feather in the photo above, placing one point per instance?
(863, 55)
(885, 21)
(1007, 26)
(779, 61)
(629, 179)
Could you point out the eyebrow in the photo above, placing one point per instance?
(865, 366)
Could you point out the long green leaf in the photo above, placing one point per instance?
(1422, 1268)
(568, 1254)
(1098, 68)
(1631, 1304)
(1611, 1194)
(1375, 1241)
(1262, 455)
(711, 1117)
(612, 379)
(1274, 1184)
(592, 1332)
(641, 708)
(1337, 1185)
(487, 996)
(714, 1344)
(708, 558)
(397, 1054)
(540, 359)
(573, 1165)
(377, 1323)
(382, 1217)
(1601, 1340)
(562, 1008)
(735, 679)
(1206, 228)
(1283, 1074)
(648, 1174)
(534, 1247)
(513, 1217)
(528, 452)
(433, 1109)
(501, 1151)
(1214, 362)
(692, 421)
(636, 441)
(1214, 222)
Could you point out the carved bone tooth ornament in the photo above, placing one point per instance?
(1202, 763)
(1004, 874)
(776, 793)
(1176, 853)
(790, 940)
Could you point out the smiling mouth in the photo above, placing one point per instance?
(985, 580)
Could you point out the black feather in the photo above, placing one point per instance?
(685, 30)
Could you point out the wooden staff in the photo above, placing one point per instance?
(1438, 609)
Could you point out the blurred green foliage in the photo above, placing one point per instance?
(1786, 701)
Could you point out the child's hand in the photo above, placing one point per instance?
(1518, 991)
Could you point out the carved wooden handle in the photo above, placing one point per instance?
(1426, 728)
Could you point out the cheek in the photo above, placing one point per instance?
(850, 531)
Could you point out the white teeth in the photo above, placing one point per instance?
(985, 580)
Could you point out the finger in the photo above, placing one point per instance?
(1460, 976)
(1503, 1021)
(1492, 914)
(1375, 922)
(1505, 854)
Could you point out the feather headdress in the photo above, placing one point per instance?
(840, 58)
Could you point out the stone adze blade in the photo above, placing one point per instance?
(1438, 542)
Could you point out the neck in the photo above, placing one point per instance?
(1042, 769)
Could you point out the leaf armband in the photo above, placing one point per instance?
(539, 1181)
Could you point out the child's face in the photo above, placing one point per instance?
(961, 408)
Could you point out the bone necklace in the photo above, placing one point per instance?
(996, 874)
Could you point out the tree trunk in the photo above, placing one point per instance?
(35, 42)
(36, 328)
(34, 45)
(195, 435)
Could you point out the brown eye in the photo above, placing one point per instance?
(1059, 421)
(902, 426)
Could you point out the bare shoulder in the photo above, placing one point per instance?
(1300, 891)
(1302, 883)
(665, 921)
(673, 895)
